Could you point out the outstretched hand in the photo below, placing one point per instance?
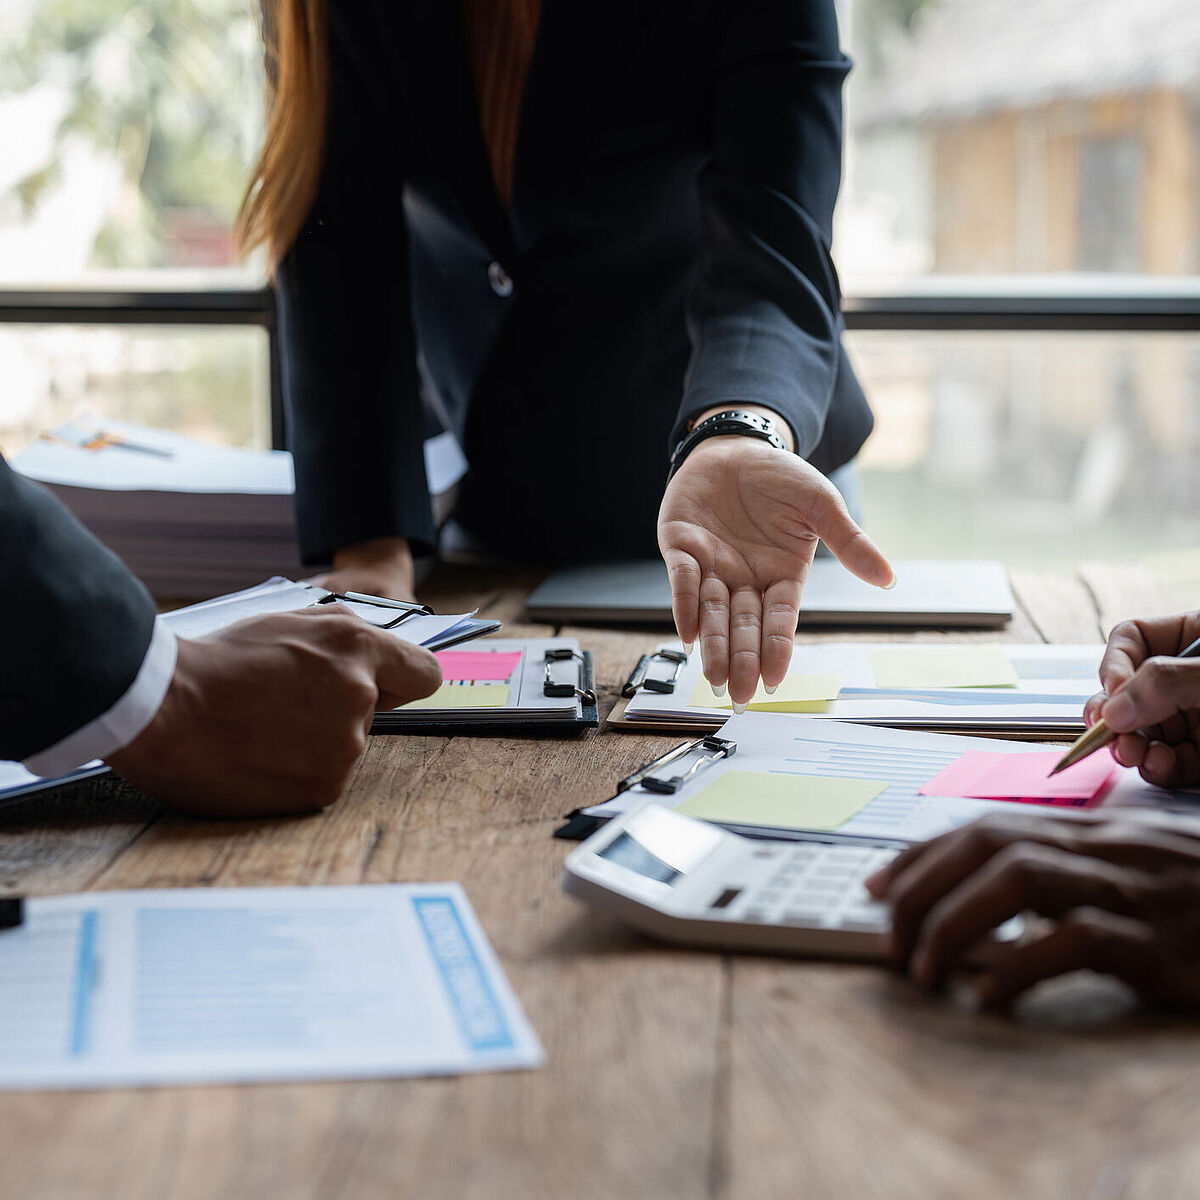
(738, 528)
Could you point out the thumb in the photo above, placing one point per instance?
(403, 672)
(1158, 689)
(848, 543)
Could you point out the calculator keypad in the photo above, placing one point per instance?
(816, 886)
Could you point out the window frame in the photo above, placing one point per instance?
(946, 305)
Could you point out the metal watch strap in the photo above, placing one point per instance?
(731, 421)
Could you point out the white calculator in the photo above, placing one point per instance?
(684, 880)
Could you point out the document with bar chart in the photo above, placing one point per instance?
(768, 775)
(205, 985)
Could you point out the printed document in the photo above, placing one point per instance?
(202, 985)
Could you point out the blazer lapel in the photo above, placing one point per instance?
(577, 51)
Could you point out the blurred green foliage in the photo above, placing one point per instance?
(169, 89)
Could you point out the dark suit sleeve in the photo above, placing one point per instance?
(764, 311)
(74, 623)
(349, 359)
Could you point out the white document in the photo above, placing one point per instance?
(1054, 683)
(280, 595)
(182, 464)
(774, 743)
(115, 989)
(445, 463)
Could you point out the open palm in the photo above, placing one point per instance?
(738, 528)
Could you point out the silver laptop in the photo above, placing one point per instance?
(961, 595)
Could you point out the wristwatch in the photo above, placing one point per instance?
(732, 420)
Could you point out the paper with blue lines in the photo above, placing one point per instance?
(907, 685)
(898, 762)
(204, 985)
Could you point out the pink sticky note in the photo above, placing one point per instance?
(981, 775)
(482, 666)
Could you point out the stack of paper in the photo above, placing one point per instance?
(189, 519)
(971, 687)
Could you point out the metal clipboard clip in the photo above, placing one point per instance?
(712, 749)
(640, 676)
(406, 608)
(584, 688)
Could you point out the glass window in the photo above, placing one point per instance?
(1031, 448)
(210, 383)
(1021, 136)
(128, 132)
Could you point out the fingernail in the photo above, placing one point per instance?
(770, 690)
(688, 647)
(738, 708)
(719, 691)
(1120, 712)
(874, 880)
(887, 587)
(1159, 761)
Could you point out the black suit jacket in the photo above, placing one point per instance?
(74, 623)
(668, 246)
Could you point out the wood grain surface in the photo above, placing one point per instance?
(669, 1074)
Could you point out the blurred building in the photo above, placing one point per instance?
(1054, 135)
(1023, 137)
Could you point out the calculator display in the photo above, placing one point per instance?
(633, 856)
(658, 844)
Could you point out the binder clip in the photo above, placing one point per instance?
(406, 608)
(640, 677)
(12, 912)
(583, 689)
(711, 749)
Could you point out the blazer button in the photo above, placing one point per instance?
(500, 280)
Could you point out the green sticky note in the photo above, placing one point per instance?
(464, 695)
(788, 801)
(942, 667)
(796, 694)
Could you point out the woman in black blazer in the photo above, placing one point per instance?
(571, 233)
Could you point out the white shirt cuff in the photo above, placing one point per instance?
(127, 718)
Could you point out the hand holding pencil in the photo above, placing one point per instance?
(1150, 705)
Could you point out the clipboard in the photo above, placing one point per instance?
(764, 775)
(551, 692)
(34, 785)
(1051, 683)
(668, 774)
(409, 620)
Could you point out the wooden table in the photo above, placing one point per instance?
(669, 1074)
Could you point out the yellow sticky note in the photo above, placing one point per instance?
(787, 801)
(796, 694)
(942, 667)
(459, 695)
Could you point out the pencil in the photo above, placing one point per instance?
(1100, 735)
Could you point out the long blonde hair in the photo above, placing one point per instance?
(284, 182)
